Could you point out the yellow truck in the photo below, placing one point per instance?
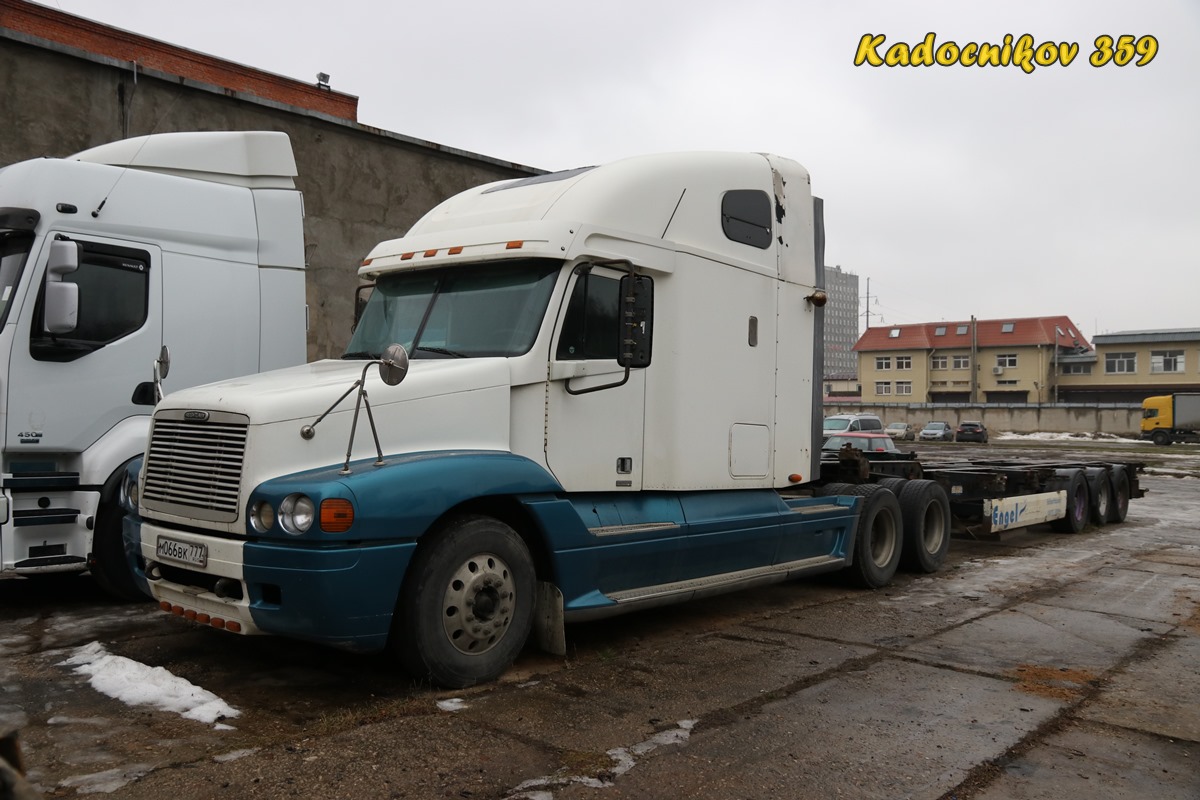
(1171, 418)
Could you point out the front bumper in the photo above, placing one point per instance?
(341, 595)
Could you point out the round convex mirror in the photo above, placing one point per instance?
(394, 364)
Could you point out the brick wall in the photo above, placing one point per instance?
(57, 26)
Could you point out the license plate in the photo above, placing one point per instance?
(184, 552)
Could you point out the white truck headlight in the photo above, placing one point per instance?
(296, 513)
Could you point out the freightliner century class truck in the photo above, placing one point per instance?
(568, 396)
(187, 241)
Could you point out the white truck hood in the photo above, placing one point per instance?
(306, 391)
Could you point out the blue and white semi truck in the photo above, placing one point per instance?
(567, 397)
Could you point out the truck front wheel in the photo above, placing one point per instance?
(466, 607)
(1161, 438)
(108, 562)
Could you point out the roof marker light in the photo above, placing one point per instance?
(367, 262)
(517, 245)
(454, 250)
(407, 256)
(430, 253)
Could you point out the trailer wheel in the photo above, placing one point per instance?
(893, 485)
(466, 607)
(1100, 491)
(1118, 508)
(925, 511)
(1076, 487)
(880, 536)
(1161, 438)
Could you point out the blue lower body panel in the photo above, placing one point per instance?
(342, 597)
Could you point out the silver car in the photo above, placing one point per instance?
(937, 432)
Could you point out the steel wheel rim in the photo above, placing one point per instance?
(478, 604)
(935, 528)
(883, 540)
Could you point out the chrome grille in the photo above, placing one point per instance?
(194, 467)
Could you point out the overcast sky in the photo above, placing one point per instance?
(957, 190)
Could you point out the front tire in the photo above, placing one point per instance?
(466, 607)
(108, 562)
(1161, 438)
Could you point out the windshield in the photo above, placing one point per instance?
(835, 424)
(14, 248)
(478, 310)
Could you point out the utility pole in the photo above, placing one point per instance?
(868, 312)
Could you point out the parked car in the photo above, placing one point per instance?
(937, 432)
(852, 423)
(969, 431)
(902, 431)
(870, 442)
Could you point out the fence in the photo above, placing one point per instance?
(1120, 419)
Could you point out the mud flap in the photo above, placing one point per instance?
(549, 627)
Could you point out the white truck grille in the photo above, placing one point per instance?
(194, 464)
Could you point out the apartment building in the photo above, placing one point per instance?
(841, 324)
(1128, 366)
(1013, 360)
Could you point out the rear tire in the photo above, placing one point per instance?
(893, 485)
(925, 511)
(466, 607)
(1100, 491)
(1118, 508)
(1078, 505)
(879, 539)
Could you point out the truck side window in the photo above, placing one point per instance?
(746, 217)
(590, 328)
(114, 301)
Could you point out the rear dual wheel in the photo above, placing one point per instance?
(925, 511)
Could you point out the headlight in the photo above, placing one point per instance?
(262, 516)
(129, 491)
(296, 513)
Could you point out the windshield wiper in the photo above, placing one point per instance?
(360, 354)
(440, 350)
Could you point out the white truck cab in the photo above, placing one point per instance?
(179, 249)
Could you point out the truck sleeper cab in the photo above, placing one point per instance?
(559, 442)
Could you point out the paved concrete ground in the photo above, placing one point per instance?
(1043, 666)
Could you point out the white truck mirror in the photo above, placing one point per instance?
(61, 313)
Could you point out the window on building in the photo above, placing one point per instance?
(1076, 369)
(940, 330)
(1120, 363)
(883, 362)
(1007, 383)
(1006, 360)
(894, 333)
(903, 387)
(961, 330)
(883, 387)
(1007, 327)
(962, 362)
(939, 362)
(903, 362)
(1166, 361)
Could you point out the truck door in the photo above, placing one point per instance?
(593, 440)
(67, 389)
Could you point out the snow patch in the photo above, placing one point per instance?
(235, 755)
(105, 782)
(138, 684)
(624, 759)
(453, 704)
